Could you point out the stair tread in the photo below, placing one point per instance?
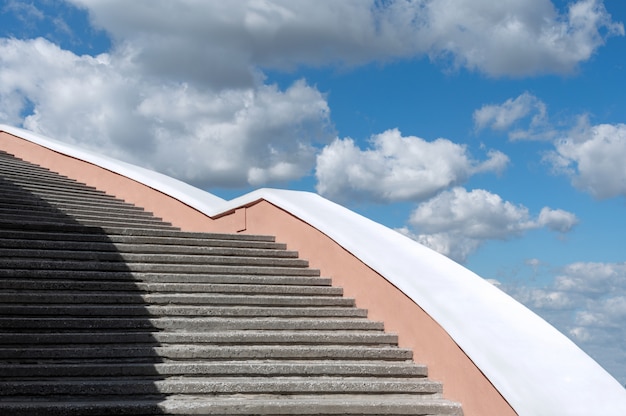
(336, 404)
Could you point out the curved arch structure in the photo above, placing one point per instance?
(493, 354)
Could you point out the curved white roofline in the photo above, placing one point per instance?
(537, 369)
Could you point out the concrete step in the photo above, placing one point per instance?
(77, 297)
(46, 182)
(45, 206)
(78, 208)
(64, 230)
(110, 220)
(91, 211)
(209, 323)
(230, 337)
(50, 227)
(13, 163)
(75, 260)
(19, 174)
(30, 192)
(34, 285)
(161, 249)
(222, 385)
(114, 215)
(336, 404)
(104, 310)
(95, 266)
(244, 257)
(127, 276)
(73, 226)
(164, 353)
(42, 189)
(34, 201)
(19, 178)
(115, 231)
(217, 368)
(74, 240)
(118, 232)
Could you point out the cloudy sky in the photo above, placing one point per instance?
(491, 131)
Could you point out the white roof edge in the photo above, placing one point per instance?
(537, 369)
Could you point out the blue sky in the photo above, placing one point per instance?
(494, 132)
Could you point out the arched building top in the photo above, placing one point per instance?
(523, 364)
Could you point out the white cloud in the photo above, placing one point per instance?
(231, 137)
(183, 91)
(516, 37)
(556, 219)
(501, 117)
(587, 302)
(524, 117)
(593, 157)
(457, 222)
(396, 168)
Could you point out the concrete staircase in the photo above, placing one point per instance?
(107, 310)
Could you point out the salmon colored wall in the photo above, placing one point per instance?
(462, 380)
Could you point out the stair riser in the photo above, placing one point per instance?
(76, 226)
(58, 239)
(212, 385)
(50, 190)
(199, 311)
(43, 245)
(36, 265)
(34, 204)
(225, 337)
(229, 368)
(189, 352)
(69, 285)
(17, 258)
(247, 406)
(116, 232)
(195, 324)
(78, 216)
(125, 276)
(19, 176)
(154, 299)
(64, 198)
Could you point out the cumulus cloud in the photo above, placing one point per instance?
(593, 157)
(188, 95)
(232, 137)
(517, 37)
(556, 219)
(457, 222)
(586, 301)
(397, 168)
(524, 118)
(501, 117)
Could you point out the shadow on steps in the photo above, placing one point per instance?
(63, 337)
